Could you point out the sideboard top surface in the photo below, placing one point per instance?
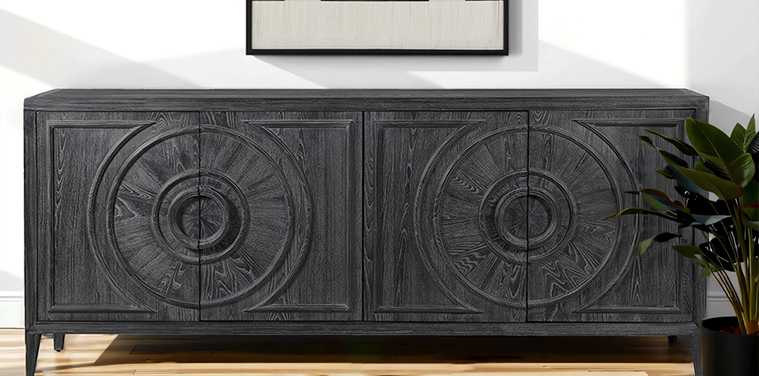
(359, 99)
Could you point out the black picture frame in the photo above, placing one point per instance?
(411, 52)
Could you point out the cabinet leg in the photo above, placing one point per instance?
(672, 340)
(32, 350)
(696, 345)
(58, 339)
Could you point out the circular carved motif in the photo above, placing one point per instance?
(537, 205)
(480, 190)
(200, 220)
(234, 218)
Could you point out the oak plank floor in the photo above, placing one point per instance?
(90, 355)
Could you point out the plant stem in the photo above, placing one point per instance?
(727, 287)
(745, 281)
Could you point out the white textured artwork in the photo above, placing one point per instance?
(377, 25)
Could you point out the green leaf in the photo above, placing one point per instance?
(744, 136)
(742, 169)
(724, 189)
(636, 211)
(750, 132)
(661, 201)
(751, 128)
(665, 173)
(752, 213)
(689, 251)
(709, 270)
(700, 166)
(709, 166)
(647, 140)
(754, 225)
(718, 252)
(673, 159)
(753, 147)
(750, 217)
(701, 262)
(714, 145)
(739, 136)
(684, 182)
(751, 194)
(680, 145)
(659, 238)
(708, 220)
(706, 272)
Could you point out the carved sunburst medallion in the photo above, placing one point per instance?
(269, 208)
(194, 230)
(576, 174)
(497, 221)
(146, 182)
(466, 211)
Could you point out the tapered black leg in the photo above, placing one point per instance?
(58, 339)
(672, 340)
(696, 345)
(32, 350)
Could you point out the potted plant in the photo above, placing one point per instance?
(720, 198)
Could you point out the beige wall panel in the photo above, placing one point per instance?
(466, 25)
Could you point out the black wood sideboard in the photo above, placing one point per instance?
(350, 212)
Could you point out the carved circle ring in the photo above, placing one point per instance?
(221, 225)
(200, 217)
(501, 224)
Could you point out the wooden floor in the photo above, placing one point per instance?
(472, 356)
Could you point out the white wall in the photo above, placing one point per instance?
(710, 46)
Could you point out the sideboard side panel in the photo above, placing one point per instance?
(31, 217)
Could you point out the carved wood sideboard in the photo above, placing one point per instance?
(350, 212)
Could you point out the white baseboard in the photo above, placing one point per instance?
(717, 297)
(717, 304)
(11, 309)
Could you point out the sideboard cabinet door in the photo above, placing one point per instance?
(583, 268)
(280, 234)
(445, 202)
(108, 248)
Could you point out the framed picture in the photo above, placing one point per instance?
(377, 27)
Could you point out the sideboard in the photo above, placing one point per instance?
(350, 212)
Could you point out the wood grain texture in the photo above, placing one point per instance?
(309, 328)
(32, 342)
(696, 353)
(299, 256)
(364, 100)
(58, 341)
(31, 219)
(103, 168)
(433, 250)
(593, 271)
(31, 248)
(152, 193)
(83, 273)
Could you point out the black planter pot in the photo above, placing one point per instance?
(730, 354)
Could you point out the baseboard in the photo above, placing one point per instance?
(717, 304)
(716, 297)
(11, 309)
